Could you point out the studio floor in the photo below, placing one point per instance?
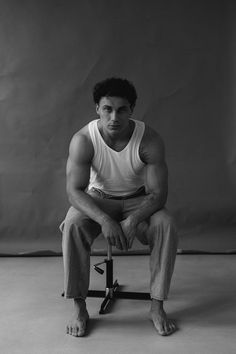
(202, 300)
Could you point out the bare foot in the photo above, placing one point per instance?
(163, 325)
(77, 325)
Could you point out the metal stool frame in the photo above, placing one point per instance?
(111, 291)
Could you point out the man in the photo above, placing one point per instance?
(117, 186)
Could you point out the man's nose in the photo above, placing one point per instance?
(114, 116)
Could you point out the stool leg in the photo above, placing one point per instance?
(108, 298)
(109, 251)
(109, 273)
(110, 287)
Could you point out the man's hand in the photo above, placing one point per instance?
(113, 233)
(129, 228)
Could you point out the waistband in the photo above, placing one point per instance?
(141, 191)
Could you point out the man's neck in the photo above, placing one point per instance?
(120, 140)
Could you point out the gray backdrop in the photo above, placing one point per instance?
(181, 57)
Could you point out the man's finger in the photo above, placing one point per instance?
(111, 241)
(123, 242)
(131, 242)
(118, 244)
(108, 240)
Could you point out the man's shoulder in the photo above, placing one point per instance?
(152, 146)
(82, 135)
(151, 137)
(81, 140)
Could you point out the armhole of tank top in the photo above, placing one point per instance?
(142, 125)
(91, 128)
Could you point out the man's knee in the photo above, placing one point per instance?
(74, 219)
(164, 226)
(164, 219)
(77, 226)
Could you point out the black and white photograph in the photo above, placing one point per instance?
(117, 177)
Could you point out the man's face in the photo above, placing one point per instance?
(114, 113)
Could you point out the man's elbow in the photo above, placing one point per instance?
(73, 193)
(160, 199)
(69, 194)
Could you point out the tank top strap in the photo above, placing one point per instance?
(136, 140)
(139, 131)
(93, 131)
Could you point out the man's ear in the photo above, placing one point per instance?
(132, 108)
(97, 108)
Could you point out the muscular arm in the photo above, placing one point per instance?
(152, 153)
(78, 175)
(156, 183)
(156, 178)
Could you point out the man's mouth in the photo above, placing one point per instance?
(114, 126)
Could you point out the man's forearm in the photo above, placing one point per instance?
(85, 203)
(151, 203)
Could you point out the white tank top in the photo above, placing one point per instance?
(116, 173)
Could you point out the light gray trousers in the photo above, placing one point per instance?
(79, 232)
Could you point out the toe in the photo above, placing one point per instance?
(81, 333)
(75, 332)
(164, 332)
(77, 328)
(170, 328)
(167, 329)
(159, 326)
(173, 326)
(81, 329)
(72, 330)
(161, 330)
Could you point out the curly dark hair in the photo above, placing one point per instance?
(115, 87)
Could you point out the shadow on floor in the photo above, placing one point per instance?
(208, 309)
